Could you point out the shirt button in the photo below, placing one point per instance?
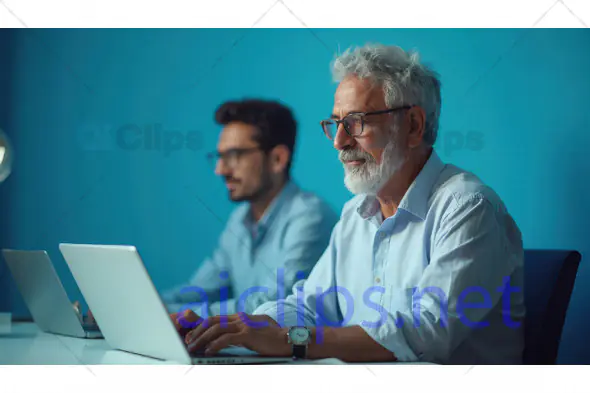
(377, 280)
(383, 235)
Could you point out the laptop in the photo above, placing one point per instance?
(45, 296)
(131, 314)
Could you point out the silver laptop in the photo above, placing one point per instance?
(131, 314)
(45, 296)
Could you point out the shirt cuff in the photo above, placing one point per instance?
(283, 314)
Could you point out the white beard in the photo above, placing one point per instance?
(370, 177)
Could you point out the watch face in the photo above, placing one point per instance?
(299, 335)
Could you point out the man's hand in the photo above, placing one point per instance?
(185, 321)
(258, 333)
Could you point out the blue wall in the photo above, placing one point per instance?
(515, 111)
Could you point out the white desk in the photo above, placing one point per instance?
(25, 344)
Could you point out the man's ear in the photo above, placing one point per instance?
(417, 122)
(279, 158)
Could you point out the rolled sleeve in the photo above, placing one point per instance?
(282, 318)
(393, 339)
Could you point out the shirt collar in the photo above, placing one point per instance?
(368, 207)
(289, 189)
(415, 200)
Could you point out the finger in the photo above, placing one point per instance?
(222, 320)
(210, 335)
(224, 341)
(189, 320)
(206, 324)
(196, 332)
(174, 318)
(184, 326)
(202, 328)
(233, 317)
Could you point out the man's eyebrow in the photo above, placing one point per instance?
(335, 116)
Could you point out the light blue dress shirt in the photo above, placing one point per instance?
(440, 281)
(254, 263)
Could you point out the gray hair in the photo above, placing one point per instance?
(405, 81)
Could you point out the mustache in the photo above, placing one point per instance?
(353, 155)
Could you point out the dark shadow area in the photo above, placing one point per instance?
(7, 53)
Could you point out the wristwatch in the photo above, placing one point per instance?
(299, 338)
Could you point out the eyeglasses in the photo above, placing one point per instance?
(354, 122)
(230, 157)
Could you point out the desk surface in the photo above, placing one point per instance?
(25, 344)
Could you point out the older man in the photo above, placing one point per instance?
(425, 264)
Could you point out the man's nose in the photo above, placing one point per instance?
(342, 140)
(222, 169)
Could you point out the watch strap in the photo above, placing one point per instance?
(299, 351)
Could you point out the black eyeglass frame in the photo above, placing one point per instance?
(215, 156)
(361, 115)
